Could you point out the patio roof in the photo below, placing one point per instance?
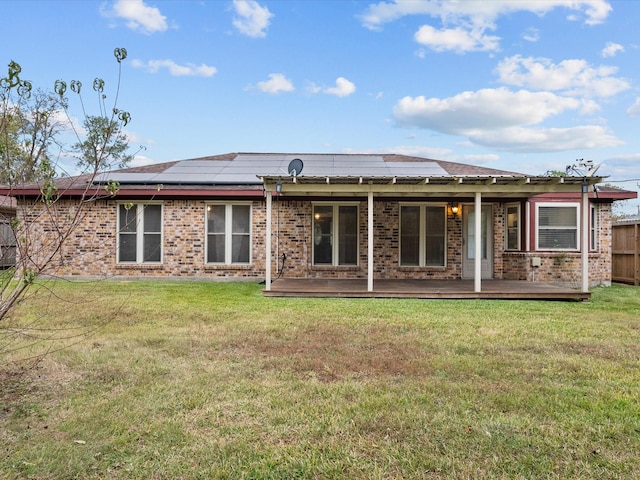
(450, 185)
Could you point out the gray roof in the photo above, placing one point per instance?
(249, 168)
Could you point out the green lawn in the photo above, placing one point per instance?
(211, 380)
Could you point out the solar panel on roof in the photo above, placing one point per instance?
(247, 168)
(186, 178)
(126, 177)
(195, 166)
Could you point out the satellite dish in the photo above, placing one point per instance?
(295, 167)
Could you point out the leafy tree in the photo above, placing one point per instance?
(104, 146)
(28, 134)
(33, 125)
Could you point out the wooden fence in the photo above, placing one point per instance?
(625, 262)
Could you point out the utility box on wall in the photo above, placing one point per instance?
(536, 261)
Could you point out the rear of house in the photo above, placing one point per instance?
(264, 216)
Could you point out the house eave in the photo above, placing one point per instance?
(157, 192)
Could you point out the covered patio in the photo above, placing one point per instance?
(474, 189)
(424, 289)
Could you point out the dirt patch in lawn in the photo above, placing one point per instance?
(330, 353)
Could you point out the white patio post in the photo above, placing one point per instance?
(585, 237)
(267, 253)
(477, 276)
(370, 242)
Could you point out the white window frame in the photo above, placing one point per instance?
(140, 207)
(422, 252)
(335, 234)
(518, 228)
(228, 233)
(575, 205)
(593, 228)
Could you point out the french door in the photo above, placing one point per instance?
(469, 241)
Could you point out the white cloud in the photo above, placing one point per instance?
(572, 77)
(456, 39)
(251, 19)
(191, 70)
(141, 161)
(376, 15)
(343, 88)
(635, 108)
(277, 83)
(464, 23)
(531, 35)
(519, 139)
(503, 119)
(385, 12)
(138, 16)
(485, 109)
(611, 49)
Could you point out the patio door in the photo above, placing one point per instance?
(469, 241)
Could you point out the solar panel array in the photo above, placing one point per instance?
(246, 169)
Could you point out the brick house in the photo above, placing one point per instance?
(321, 216)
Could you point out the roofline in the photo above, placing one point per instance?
(177, 182)
(147, 193)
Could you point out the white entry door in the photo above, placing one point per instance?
(469, 241)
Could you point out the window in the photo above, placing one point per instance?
(423, 235)
(335, 234)
(512, 237)
(593, 228)
(229, 233)
(7, 244)
(557, 226)
(139, 233)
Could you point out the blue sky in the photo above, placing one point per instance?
(525, 86)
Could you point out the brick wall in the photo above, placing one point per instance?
(566, 267)
(91, 250)
(293, 237)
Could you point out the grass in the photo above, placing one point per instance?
(211, 380)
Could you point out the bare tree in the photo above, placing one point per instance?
(32, 154)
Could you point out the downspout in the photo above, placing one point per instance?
(267, 256)
(370, 242)
(477, 276)
(527, 226)
(585, 236)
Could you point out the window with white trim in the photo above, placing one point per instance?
(335, 234)
(512, 233)
(228, 233)
(593, 228)
(139, 233)
(423, 234)
(557, 226)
